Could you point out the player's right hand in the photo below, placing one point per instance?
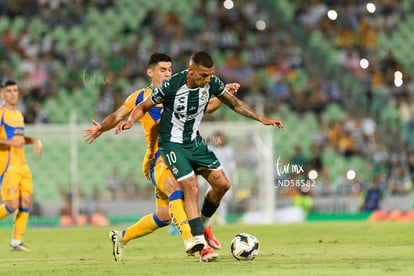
(90, 134)
(233, 87)
(121, 126)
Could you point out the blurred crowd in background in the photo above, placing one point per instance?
(268, 61)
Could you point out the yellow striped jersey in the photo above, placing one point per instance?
(149, 123)
(11, 128)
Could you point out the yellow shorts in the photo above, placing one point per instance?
(16, 182)
(158, 174)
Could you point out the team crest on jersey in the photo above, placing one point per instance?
(204, 95)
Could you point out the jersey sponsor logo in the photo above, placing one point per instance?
(181, 104)
(174, 169)
(157, 99)
(19, 131)
(11, 191)
(178, 116)
(193, 116)
(214, 164)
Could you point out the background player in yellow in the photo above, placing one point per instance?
(16, 178)
(169, 197)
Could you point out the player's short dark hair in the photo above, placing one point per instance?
(8, 83)
(202, 58)
(156, 58)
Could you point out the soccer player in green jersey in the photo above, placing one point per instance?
(185, 97)
(168, 195)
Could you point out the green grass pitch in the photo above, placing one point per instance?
(312, 248)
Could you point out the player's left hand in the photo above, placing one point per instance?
(273, 122)
(37, 147)
(121, 126)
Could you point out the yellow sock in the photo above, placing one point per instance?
(147, 224)
(178, 215)
(4, 211)
(20, 223)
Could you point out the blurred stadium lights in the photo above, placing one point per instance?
(332, 15)
(398, 79)
(260, 25)
(312, 174)
(350, 174)
(398, 75)
(371, 7)
(364, 63)
(228, 4)
(398, 82)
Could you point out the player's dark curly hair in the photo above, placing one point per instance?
(156, 58)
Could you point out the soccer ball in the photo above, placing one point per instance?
(244, 247)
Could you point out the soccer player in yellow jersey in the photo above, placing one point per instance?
(169, 196)
(16, 179)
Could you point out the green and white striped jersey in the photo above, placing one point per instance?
(184, 108)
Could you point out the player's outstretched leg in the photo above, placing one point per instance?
(118, 244)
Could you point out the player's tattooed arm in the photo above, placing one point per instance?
(239, 106)
(244, 109)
